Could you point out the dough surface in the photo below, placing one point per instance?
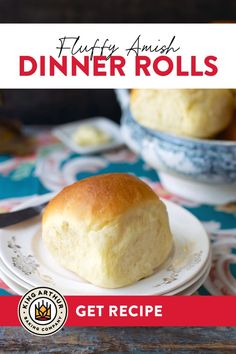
(200, 113)
(111, 230)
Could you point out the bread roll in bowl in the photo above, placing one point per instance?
(199, 113)
(111, 229)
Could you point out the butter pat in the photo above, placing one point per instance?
(88, 135)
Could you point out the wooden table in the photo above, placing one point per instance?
(122, 340)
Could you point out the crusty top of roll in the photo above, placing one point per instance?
(99, 199)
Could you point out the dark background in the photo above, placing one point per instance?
(57, 106)
(116, 10)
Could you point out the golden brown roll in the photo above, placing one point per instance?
(111, 229)
(200, 113)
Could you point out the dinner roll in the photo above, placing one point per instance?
(200, 113)
(111, 229)
(230, 132)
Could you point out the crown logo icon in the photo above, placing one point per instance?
(43, 311)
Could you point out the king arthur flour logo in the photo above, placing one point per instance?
(42, 311)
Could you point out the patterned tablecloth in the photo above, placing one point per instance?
(53, 166)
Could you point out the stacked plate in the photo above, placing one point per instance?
(25, 262)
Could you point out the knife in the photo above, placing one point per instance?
(14, 217)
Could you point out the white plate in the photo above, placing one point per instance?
(12, 276)
(18, 289)
(23, 252)
(7, 272)
(194, 287)
(194, 283)
(65, 134)
(12, 284)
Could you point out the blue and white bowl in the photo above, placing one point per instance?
(202, 170)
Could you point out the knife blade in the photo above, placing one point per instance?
(14, 217)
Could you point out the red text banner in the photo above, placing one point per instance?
(137, 311)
